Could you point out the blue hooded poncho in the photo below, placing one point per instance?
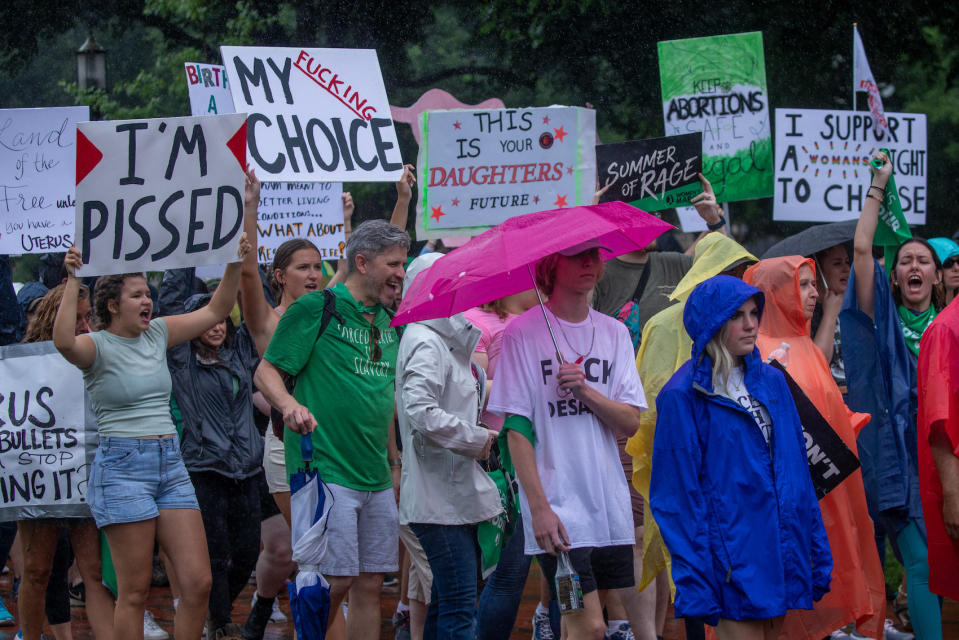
(739, 517)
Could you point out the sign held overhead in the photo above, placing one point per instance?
(315, 114)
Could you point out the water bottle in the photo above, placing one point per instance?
(781, 354)
(568, 590)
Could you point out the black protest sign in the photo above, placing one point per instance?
(653, 174)
(830, 460)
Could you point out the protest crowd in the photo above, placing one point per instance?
(650, 423)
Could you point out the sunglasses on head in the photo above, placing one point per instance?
(949, 262)
(376, 353)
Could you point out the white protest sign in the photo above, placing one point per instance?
(315, 114)
(480, 167)
(822, 159)
(37, 159)
(208, 88)
(311, 210)
(47, 434)
(159, 194)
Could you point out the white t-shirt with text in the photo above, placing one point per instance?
(576, 455)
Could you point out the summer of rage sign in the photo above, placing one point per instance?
(160, 194)
(318, 115)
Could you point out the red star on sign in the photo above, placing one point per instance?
(535, 199)
(456, 202)
(457, 124)
(569, 170)
(561, 201)
(437, 213)
(560, 133)
(545, 119)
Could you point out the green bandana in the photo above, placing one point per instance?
(914, 325)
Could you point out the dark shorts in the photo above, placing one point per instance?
(268, 507)
(598, 568)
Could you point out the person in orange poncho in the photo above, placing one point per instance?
(939, 448)
(857, 592)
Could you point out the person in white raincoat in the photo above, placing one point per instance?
(444, 491)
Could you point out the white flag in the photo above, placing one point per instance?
(862, 80)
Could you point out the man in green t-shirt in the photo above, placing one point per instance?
(344, 399)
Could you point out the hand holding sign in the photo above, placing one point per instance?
(705, 203)
(882, 172)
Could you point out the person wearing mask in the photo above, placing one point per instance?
(730, 476)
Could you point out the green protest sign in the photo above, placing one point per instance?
(717, 85)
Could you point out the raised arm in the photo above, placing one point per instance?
(709, 210)
(404, 194)
(77, 350)
(187, 326)
(260, 319)
(341, 266)
(862, 260)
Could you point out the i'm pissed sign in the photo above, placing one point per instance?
(159, 194)
(315, 114)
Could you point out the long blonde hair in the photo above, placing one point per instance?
(723, 361)
(41, 325)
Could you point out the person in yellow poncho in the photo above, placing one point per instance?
(857, 591)
(665, 346)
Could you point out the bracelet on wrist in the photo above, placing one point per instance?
(876, 198)
(719, 224)
(396, 462)
(879, 189)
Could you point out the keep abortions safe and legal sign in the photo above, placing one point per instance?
(37, 154)
(822, 163)
(717, 85)
(480, 167)
(159, 194)
(315, 114)
(653, 174)
(48, 435)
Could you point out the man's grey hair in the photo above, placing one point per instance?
(372, 238)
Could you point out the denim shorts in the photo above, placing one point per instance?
(131, 479)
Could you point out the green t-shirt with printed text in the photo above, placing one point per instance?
(350, 396)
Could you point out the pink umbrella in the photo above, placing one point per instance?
(498, 262)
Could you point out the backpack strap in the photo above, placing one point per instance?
(289, 381)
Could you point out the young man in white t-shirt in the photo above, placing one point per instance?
(564, 412)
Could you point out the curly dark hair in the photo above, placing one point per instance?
(109, 288)
(282, 259)
(41, 325)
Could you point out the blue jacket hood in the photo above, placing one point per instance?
(712, 304)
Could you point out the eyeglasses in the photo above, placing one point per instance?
(376, 353)
(950, 262)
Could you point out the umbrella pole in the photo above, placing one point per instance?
(559, 356)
